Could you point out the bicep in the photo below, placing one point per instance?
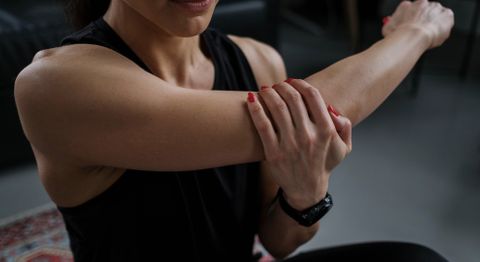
(123, 118)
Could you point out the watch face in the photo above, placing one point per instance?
(314, 214)
(311, 215)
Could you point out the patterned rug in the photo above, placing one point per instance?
(38, 235)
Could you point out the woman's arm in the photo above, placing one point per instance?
(89, 106)
(300, 156)
(358, 84)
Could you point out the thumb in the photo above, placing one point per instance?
(343, 127)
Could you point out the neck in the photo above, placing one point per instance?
(171, 58)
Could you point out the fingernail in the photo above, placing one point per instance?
(263, 87)
(332, 110)
(385, 20)
(251, 97)
(289, 80)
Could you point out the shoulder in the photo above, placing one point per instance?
(52, 68)
(49, 72)
(267, 64)
(65, 78)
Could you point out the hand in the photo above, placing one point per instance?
(302, 142)
(431, 18)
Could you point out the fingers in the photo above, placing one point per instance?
(315, 103)
(435, 8)
(262, 124)
(421, 3)
(388, 26)
(341, 141)
(344, 129)
(448, 11)
(295, 104)
(279, 110)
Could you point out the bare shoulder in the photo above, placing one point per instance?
(56, 69)
(267, 64)
(66, 78)
(55, 61)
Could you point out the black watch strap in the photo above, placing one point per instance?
(309, 216)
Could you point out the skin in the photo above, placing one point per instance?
(173, 121)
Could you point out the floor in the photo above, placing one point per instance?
(414, 173)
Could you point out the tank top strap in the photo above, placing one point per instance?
(100, 33)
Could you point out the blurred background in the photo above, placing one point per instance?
(414, 173)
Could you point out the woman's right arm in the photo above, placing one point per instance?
(90, 106)
(357, 85)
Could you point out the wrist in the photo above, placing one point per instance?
(419, 33)
(305, 200)
(310, 215)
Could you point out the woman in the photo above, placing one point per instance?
(143, 140)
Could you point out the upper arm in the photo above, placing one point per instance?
(94, 107)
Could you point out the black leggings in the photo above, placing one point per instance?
(371, 252)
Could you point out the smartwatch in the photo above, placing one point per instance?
(309, 216)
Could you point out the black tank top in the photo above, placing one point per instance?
(202, 215)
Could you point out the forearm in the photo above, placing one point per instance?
(357, 85)
(280, 234)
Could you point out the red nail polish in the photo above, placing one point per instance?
(251, 97)
(289, 80)
(332, 110)
(263, 87)
(385, 20)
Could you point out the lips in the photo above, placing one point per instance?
(195, 6)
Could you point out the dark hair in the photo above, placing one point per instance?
(82, 12)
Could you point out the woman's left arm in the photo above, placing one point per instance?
(303, 172)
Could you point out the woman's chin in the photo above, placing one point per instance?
(189, 29)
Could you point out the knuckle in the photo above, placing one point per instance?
(405, 4)
(305, 84)
(263, 127)
(302, 82)
(307, 139)
(348, 123)
(294, 96)
(331, 132)
(313, 92)
(257, 109)
(280, 105)
(328, 132)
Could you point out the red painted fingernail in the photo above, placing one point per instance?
(385, 20)
(263, 87)
(332, 110)
(289, 80)
(251, 97)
